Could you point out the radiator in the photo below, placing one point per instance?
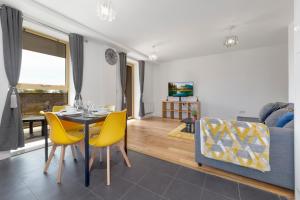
(149, 108)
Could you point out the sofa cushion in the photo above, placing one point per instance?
(290, 106)
(290, 124)
(266, 111)
(284, 119)
(282, 104)
(269, 109)
(272, 119)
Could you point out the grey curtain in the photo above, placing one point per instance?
(76, 48)
(123, 77)
(11, 129)
(141, 77)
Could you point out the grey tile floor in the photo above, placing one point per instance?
(21, 177)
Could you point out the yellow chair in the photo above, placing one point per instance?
(60, 137)
(112, 132)
(70, 126)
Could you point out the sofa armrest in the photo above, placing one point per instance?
(247, 119)
(282, 143)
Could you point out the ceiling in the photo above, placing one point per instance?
(179, 28)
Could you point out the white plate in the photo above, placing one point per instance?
(99, 113)
(70, 113)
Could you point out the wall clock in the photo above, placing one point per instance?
(111, 56)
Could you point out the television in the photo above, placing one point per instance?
(181, 89)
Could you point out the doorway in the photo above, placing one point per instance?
(130, 90)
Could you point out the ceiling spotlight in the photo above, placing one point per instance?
(105, 11)
(153, 56)
(231, 40)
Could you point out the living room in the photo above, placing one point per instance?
(234, 60)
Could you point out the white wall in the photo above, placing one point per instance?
(99, 78)
(229, 84)
(297, 97)
(291, 63)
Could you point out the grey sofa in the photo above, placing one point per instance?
(281, 159)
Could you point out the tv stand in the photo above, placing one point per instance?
(180, 109)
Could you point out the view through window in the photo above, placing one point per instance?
(42, 69)
(44, 63)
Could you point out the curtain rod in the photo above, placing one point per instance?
(32, 20)
(29, 19)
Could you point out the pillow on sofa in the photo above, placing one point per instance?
(282, 104)
(269, 109)
(284, 119)
(273, 118)
(290, 106)
(289, 125)
(266, 111)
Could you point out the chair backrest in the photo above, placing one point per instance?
(113, 129)
(58, 108)
(57, 134)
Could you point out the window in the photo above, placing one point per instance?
(44, 63)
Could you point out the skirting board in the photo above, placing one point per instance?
(4, 155)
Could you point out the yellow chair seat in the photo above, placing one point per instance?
(94, 131)
(93, 140)
(98, 124)
(59, 135)
(70, 126)
(75, 135)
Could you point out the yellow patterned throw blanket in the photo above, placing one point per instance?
(242, 143)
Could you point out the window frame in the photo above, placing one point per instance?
(64, 88)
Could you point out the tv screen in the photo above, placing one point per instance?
(181, 89)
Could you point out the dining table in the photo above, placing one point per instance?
(86, 121)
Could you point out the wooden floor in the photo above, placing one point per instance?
(149, 136)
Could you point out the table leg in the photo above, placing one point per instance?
(45, 133)
(125, 140)
(42, 131)
(31, 128)
(87, 156)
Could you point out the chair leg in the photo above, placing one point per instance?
(92, 159)
(108, 165)
(61, 163)
(121, 147)
(81, 148)
(50, 158)
(100, 152)
(73, 149)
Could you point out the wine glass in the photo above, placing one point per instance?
(76, 104)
